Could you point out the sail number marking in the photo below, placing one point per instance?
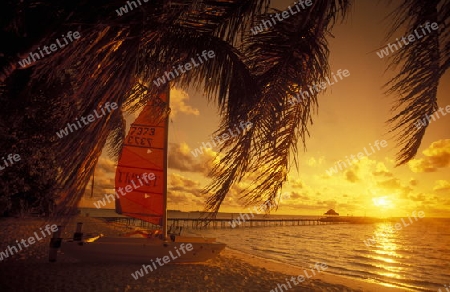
(138, 136)
(142, 131)
(134, 140)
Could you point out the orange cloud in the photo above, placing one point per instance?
(178, 99)
(181, 158)
(184, 191)
(351, 176)
(442, 185)
(436, 156)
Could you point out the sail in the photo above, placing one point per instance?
(140, 178)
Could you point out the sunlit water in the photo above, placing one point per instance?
(417, 257)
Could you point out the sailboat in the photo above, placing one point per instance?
(141, 192)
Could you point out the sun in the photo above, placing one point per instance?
(382, 202)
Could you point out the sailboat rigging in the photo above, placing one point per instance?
(144, 160)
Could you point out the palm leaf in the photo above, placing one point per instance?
(422, 62)
(284, 59)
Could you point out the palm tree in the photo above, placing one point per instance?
(252, 78)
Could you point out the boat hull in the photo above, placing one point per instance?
(142, 250)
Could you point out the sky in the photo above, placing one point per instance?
(351, 120)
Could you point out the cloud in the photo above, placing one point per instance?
(413, 182)
(362, 168)
(179, 180)
(328, 204)
(103, 177)
(296, 183)
(181, 158)
(314, 162)
(442, 185)
(285, 197)
(381, 170)
(391, 184)
(418, 197)
(183, 190)
(178, 99)
(105, 165)
(351, 176)
(395, 186)
(437, 155)
(305, 207)
(299, 196)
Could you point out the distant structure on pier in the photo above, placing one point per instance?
(331, 212)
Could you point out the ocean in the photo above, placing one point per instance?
(415, 257)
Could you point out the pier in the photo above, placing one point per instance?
(201, 223)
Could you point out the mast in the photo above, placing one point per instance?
(166, 165)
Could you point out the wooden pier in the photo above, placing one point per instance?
(201, 223)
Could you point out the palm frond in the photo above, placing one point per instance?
(423, 62)
(287, 58)
(117, 135)
(251, 79)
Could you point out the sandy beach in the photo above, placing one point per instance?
(30, 270)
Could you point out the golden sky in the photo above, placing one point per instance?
(351, 118)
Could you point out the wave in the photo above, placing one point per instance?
(407, 260)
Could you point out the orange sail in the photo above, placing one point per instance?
(140, 178)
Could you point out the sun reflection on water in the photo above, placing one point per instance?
(386, 251)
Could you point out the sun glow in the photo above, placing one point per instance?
(382, 202)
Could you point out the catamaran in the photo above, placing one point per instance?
(144, 160)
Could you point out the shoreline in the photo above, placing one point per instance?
(291, 270)
(232, 270)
